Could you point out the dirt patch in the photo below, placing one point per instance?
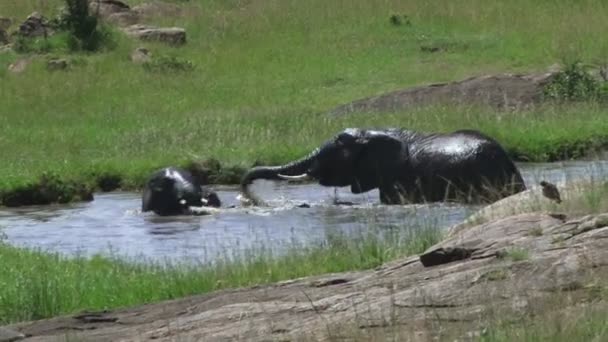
(512, 268)
(505, 91)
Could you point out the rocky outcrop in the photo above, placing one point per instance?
(120, 14)
(106, 8)
(505, 91)
(513, 268)
(3, 37)
(156, 9)
(171, 35)
(5, 23)
(7, 335)
(530, 200)
(36, 25)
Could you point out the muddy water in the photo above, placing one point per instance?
(113, 224)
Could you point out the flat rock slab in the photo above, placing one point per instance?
(169, 35)
(515, 268)
(7, 335)
(504, 91)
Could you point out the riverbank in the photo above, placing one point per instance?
(261, 85)
(36, 282)
(548, 269)
(39, 284)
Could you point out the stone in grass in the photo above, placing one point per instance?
(169, 35)
(56, 64)
(141, 55)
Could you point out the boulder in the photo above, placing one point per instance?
(123, 19)
(169, 35)
(502, 92)
(530, 200)
(57, 64)
(105, 8)
(5, 23)
(156, 9)
(3, 37)
(140, 55)
(36, 25)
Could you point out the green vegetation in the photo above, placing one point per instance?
(516, 254)
(588, 325)
(36, 284)
(259, 77)
(574, 83)
(85, 31)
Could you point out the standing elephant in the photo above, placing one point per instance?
(406, 166)
(173, 191)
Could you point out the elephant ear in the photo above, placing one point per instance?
(379, 162)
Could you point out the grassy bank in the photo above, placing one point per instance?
(36, 285)
(264, 74)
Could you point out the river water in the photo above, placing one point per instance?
(113, 224)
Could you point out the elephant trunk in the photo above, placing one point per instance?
(294, 168)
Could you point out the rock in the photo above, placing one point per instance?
(530, 200)
(123, 19)
(512, 273)
(19, 65)
(169, 35)
(3, 37)
(141, 55)
(5, 23)
(56, 64)
(105, 8)
(154, 9)
(6, 48)
(35, 25)
(7, 335)
(504, 91)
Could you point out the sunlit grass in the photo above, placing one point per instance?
(265, 72)
(36, 284)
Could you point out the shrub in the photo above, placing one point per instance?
(573, 84)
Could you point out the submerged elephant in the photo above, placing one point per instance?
(406, 166)
(174, 191)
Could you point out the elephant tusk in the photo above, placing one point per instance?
(204, 201)
(301, 177)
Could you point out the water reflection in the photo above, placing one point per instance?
(113, 221)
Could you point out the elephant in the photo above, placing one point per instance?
(464, 166)
(174, 191)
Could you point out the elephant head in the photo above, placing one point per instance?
(172, 191)
(361, 159)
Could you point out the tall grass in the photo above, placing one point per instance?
(265, 71)
(37, 284)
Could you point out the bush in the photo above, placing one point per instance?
(573, 84)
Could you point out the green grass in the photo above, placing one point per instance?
(264, 72)
(588, 325)
(36, 284)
